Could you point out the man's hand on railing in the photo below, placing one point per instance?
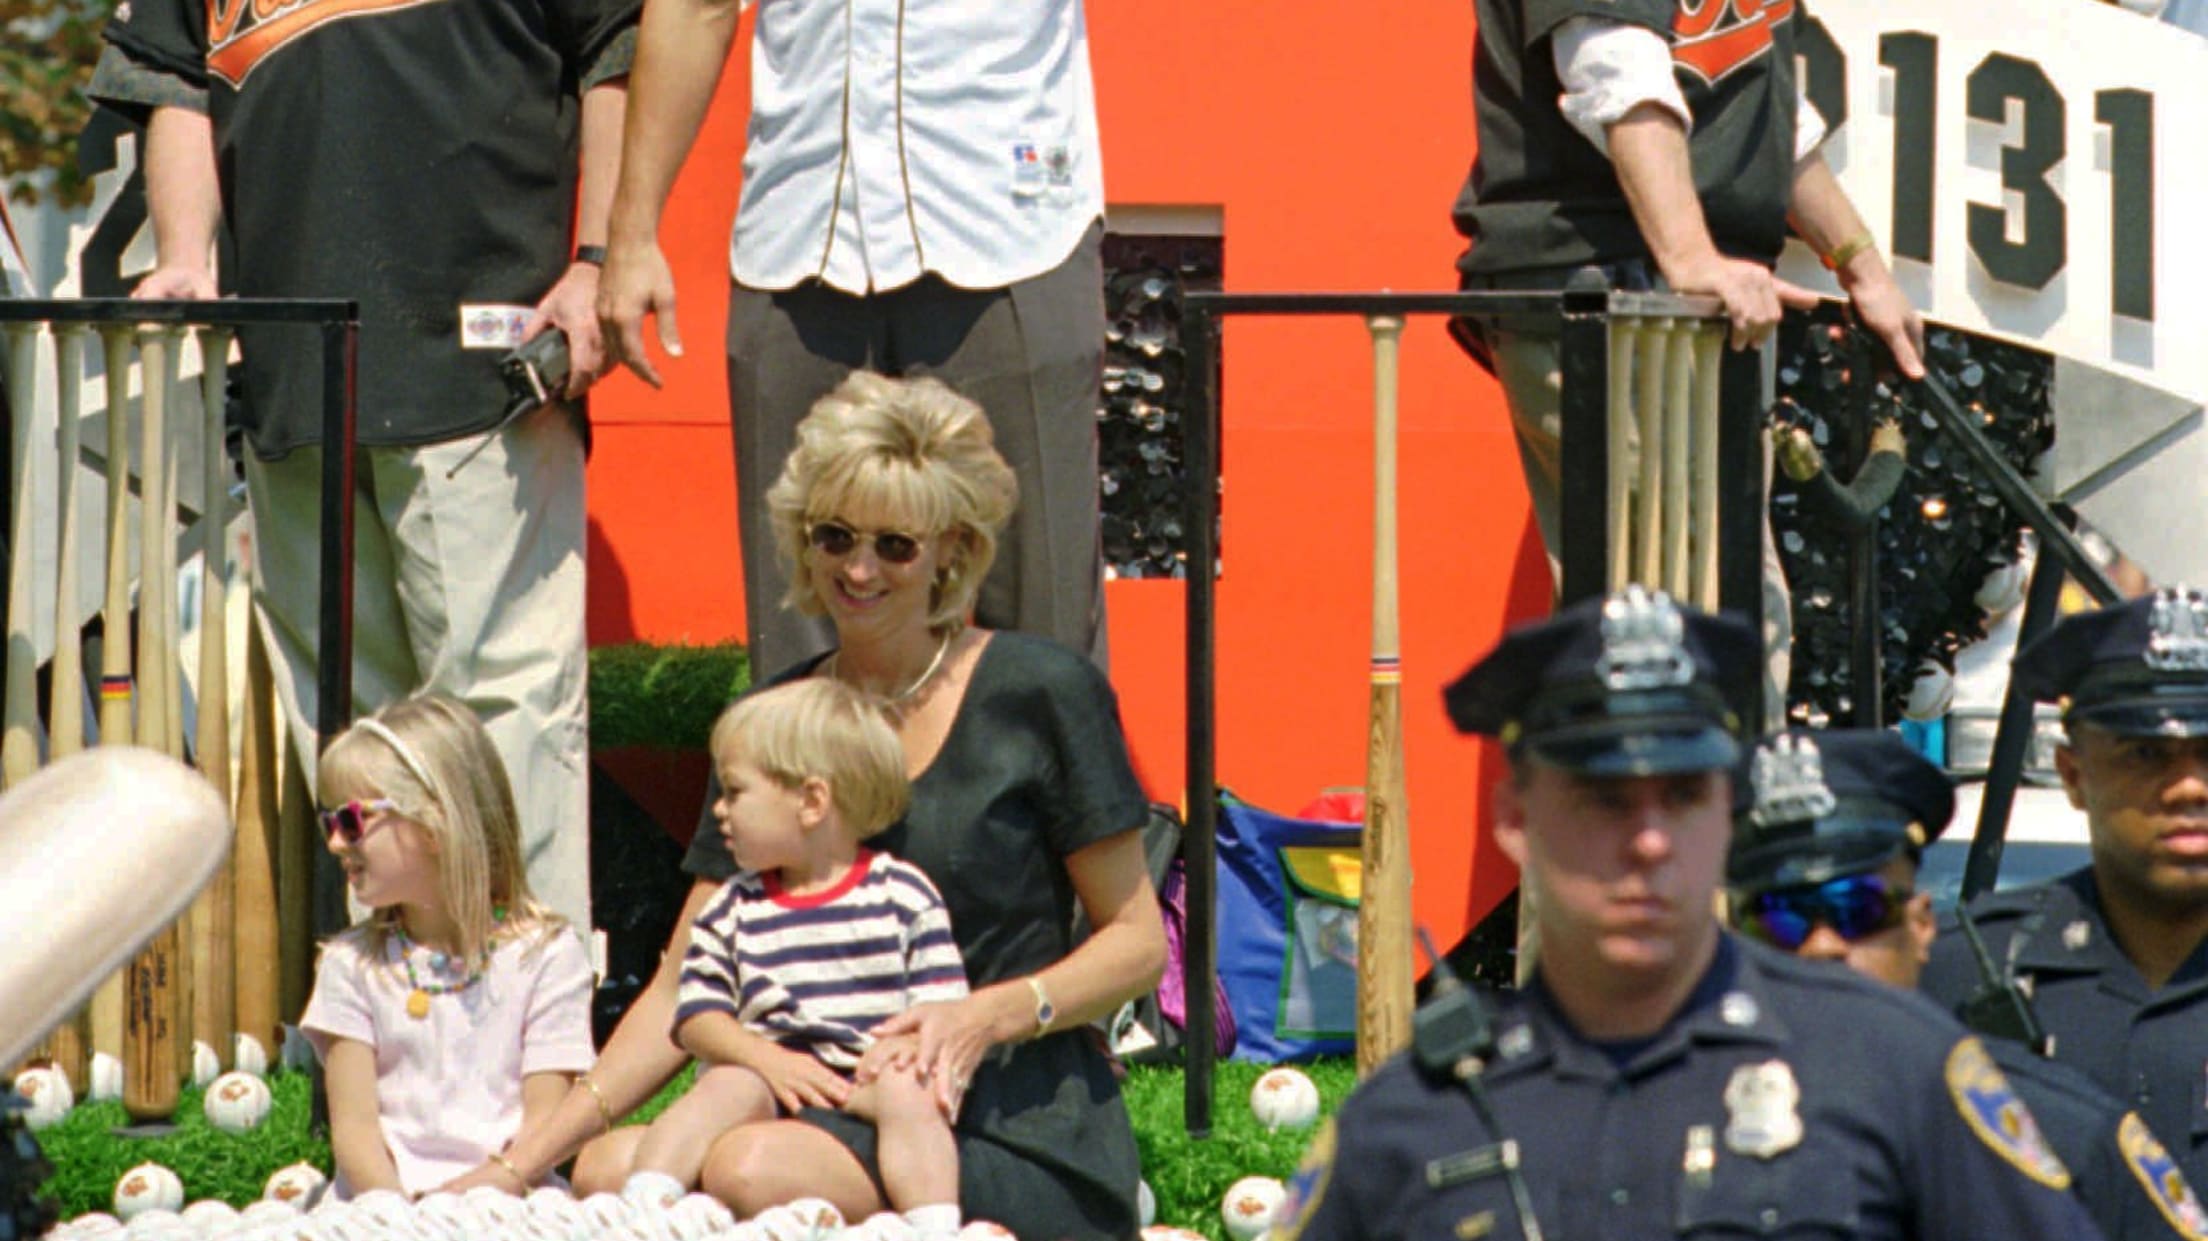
(1754, 297)
(180, 284)
(1884, 311)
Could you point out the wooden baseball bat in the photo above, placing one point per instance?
(19, 714)
(115, 660)
(259, 953)
(1384, 893)
(154, 1045)
(213, 968)
(69, 1044)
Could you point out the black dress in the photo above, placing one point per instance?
(1034, 768)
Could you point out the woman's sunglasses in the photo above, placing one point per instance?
(833, 538)
(349, 822)
(1854, 906)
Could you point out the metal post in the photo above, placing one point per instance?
(2013, 738)
(1583, 483)
(1200, 431)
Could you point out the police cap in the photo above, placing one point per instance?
(1629, 684)
(2137, 669)
(1810, 807)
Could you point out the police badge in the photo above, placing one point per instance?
(2179, 639)
(1643, 642)
(1789, 778)
(1762, 1110)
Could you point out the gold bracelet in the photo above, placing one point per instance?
(512, 1171)
(605, 1114)
(1848, 249)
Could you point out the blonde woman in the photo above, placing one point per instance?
(458, 1011)
(1024, 809)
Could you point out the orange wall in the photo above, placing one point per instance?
(1333, 148)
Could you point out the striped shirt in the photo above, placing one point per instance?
(817, 973)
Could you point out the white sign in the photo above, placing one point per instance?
(2029, 165)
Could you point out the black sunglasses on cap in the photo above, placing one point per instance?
(1854, 906)
(833, 538)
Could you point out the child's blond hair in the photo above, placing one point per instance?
(430, 755)
(821, 728)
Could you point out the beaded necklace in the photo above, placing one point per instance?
(418, 992)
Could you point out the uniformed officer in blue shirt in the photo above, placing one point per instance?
(2113, 954)
(1659, 1077)
(1827, 833)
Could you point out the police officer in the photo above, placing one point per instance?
(1827, 834)
(1660, 1078)
(2113, 954)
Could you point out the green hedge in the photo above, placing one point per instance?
(1189, 1176)
(662, 697)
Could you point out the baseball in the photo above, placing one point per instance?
(606, 1212)
(156, 1223)
(985, 1230)
(206, 1065)
(237, 1102)
(1146, 1204)
(300, 1185)
(47, 1091)
(701, 1215)
(1248, 1208)
(147, 1187)
(1161, 1232)
(92, 1224)
(250, 1057)
(1284, 1098)
(806, 1219)
(497, 1206)
(105, 1079)
(209, 1215)
(885, 1226)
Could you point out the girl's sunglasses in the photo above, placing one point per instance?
(350, 821)
(833, 538)
(1854, 906)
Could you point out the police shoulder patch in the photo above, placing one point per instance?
(1307, 1186)
(1990, 1106)
(2159, 1175)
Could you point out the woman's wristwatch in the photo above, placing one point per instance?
(1045, 1011)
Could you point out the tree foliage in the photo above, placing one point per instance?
(47, 48)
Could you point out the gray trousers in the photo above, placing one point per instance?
(1030, 354)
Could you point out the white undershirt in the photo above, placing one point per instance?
(1608, 68)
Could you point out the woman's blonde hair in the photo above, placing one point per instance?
(911, 446)
(430, 755)
(821, 728)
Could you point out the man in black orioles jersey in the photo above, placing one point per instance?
(1666, 142)
(422, 157)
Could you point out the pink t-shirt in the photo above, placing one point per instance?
(448, 1086)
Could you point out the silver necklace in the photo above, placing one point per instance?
(927, 674)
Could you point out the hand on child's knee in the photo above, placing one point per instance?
(897, 1093)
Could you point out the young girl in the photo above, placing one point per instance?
(460, 1008)
(805, 952)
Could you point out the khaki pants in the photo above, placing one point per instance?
(470, 585)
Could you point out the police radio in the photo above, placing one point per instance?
(1452, 1036)
(1998, 1008)
(1453, 1025)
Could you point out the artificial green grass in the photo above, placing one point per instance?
(663, 697)
(1188, 1175)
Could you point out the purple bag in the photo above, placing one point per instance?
(1172, 1000)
